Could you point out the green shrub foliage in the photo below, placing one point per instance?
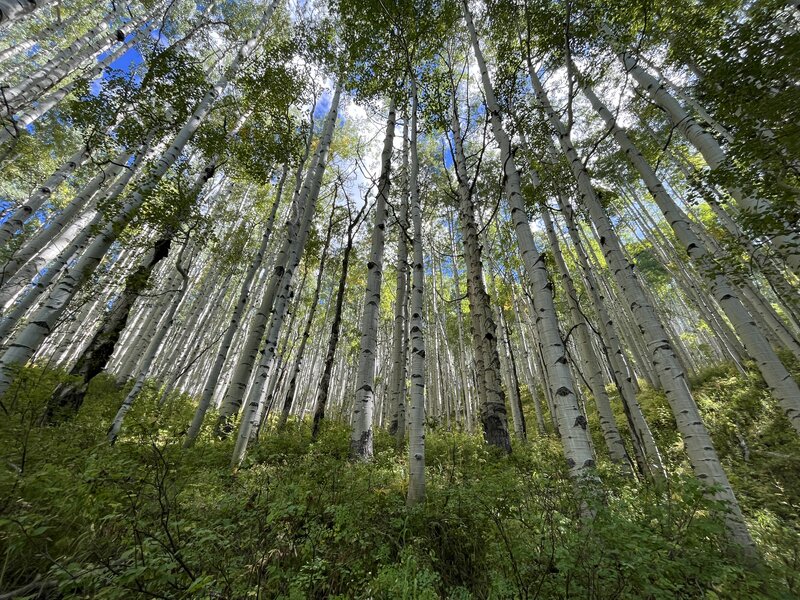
(148, 519)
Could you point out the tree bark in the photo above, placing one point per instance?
(416, 432)
(363, 407)
(572, 424)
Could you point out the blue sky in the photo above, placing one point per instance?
(131, 59)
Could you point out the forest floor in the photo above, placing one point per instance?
(148, 519)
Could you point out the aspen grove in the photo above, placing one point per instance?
(399, 299)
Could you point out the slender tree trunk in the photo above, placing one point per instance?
(787, 243)
(333, 339)
(23, 266)
(68, 397)
(591, 366)
(520, 427)
(13, 10)
(416, 433)
(671, 375)
(487, 360)
(224, 348)
(783, 388)
(298, 363)
(15, 125)
(29, 340)
(42, 193)
(530, 376)
(361, 435)
(462, 408)
(297, 230)
(572, 424)
(397, 421)
(152, 350)
(310, 193)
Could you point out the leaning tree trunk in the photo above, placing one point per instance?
(23, 119)
(647, 454)
(41, 195)
(67, 399)
(22, 267)
(29, 340)
(783, 388)
(298, 363)
(230, 331)
(241, 377)
(787, 243)
(277, 293)
(670, 373)
(152, 350)
(594, 374)
(13, 10)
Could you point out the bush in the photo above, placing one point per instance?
(146, 518)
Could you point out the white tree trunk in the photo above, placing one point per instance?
(780, 382)
(670, 373)
(40, 326)
(493, 414)
(233, 325)
(397, 420)
(572, 425)
(363, 407)
(309, 195)
(22, 266)
(416, 435)
(591, 366)
(787, 244)
(11, 131)
(13, 10)
(40, 196)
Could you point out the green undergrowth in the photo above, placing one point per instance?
(146, 518)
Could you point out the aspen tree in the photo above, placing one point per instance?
(40, 196)
(592, 369)
(780, 382)
(175, 298)
(416, 430)
(464, 397)
(671, 375)
(487, 361)
(323, 393)
(309, 195)
(786, 242)
(26, 117)
(20, 269)
(397, 419)
(363, 408)
(68, 398)
(572, 424)
(298, 363)
(288, 256)
(212, 380)
(14, 10)
(28, 341)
